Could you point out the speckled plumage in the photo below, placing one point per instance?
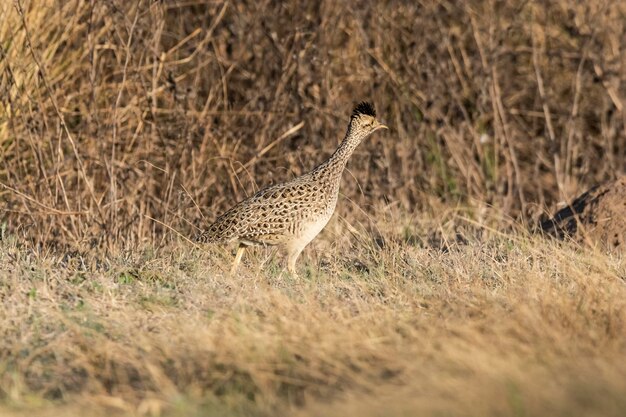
(291, 214)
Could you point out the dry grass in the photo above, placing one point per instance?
(116, 113)
(507, 325)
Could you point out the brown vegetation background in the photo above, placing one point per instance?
(120, 117)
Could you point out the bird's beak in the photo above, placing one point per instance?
(381, 126)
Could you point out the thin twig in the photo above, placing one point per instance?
(548, 117)
(51, 209)
(267, 148)
(112, 179)
(172, 229)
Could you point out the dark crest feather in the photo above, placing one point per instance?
(364, 108)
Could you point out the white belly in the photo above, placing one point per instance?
(308, 232)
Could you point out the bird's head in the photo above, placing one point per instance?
(363, 121)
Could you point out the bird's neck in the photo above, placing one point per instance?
(338, 160)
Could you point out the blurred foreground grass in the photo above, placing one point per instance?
(506, 325)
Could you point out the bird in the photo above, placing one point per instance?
(291, 214)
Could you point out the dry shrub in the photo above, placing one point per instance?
(121, 117)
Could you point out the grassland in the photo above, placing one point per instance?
(126, 126)
(502, 326)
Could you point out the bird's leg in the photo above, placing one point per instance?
(292, 270)
(237, 261)
(291, 261)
